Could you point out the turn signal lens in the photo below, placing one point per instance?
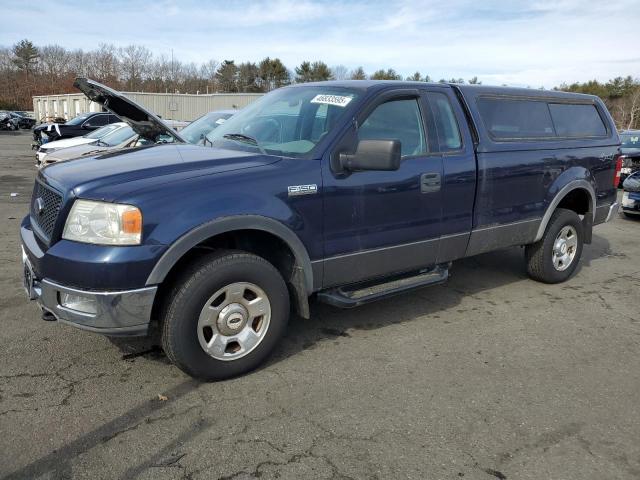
(132, 221)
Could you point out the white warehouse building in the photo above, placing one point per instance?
(171, 106)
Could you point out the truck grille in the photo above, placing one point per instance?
(45, 206)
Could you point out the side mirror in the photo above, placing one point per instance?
(373, 155)
(87, 126)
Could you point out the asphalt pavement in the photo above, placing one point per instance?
(490, 376)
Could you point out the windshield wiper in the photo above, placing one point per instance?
(241, 137)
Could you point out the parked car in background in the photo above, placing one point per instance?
(120, 138)
(78, 126)
(345, 191)
(24, 121)
(7, 121)
(631, 196)
(90, 144)
(197, 130)
(90, 137)
(630, 149)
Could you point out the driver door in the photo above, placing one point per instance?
(381, 222)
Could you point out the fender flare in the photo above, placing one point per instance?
(230, 224)
(564, 191)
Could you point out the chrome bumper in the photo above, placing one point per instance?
(613, 211)
(126, 312)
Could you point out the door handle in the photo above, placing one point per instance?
(429, 182)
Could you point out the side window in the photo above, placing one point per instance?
(113, 119)
(396, 120)
(573, 120)
(446, 123)
(97, 121)
(506, 118)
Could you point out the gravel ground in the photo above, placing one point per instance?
(488, 376)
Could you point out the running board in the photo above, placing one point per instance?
(358, 294)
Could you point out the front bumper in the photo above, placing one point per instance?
(125, 312)
(109, 279)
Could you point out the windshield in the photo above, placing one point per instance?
(101, 132)
(195, 131)
(78, 120)
(630, 140)
(289, 121)
(116, 138)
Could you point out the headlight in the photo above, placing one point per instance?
(103, 223)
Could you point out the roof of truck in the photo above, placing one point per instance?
(472, 90)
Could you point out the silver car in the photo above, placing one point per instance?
(120, 138)
(90, 137)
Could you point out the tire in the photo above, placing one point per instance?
(196, 313)
(545, 261)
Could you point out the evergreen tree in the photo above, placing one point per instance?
(227, 76)
(25, 56)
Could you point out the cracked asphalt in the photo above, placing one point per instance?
(489, 376)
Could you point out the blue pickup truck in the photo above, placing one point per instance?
(346, 192)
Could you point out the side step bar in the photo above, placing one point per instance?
(358, 294)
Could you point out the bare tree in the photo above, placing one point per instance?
(208, 73)
(104, 64)
(340, 72)
(134, 60)
(627, 110)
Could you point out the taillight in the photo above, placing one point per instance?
(616, 178)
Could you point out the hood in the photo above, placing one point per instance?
(65, 143)
(112, 174)
(143, 122)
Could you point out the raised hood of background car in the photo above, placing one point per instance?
(143, 122)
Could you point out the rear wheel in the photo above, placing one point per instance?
(225, 316)
(555, 256)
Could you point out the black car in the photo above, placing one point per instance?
(80, 125)
(24, 120)
(630, 150)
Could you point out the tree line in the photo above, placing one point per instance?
(27, 70)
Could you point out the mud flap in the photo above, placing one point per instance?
(587, 227)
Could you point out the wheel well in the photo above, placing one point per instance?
(264, 244)
(577, 200)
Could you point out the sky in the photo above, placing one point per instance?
(537, 43)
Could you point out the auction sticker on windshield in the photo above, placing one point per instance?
(338, 100)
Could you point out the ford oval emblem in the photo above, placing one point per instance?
(39, 205)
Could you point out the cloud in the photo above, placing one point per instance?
(539, 42)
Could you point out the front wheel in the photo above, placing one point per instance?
(554, 258)
(225, 316)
